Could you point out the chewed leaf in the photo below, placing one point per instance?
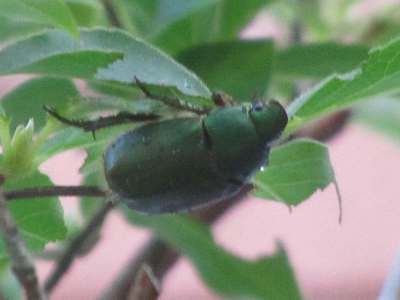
(295, 171)
(379, 74)
(102, 54)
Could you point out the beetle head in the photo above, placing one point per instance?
(269, 119)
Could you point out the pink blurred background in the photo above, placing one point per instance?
(331, 261)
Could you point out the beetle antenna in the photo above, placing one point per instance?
(170, 101)
(255, 97)
(102, 122)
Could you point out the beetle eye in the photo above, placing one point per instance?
(257, 105)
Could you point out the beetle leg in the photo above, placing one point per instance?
(102, 122)
(222, 100)
(235, 181)
(206, 136)
(172, 102)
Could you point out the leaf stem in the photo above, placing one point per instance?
(57, 190)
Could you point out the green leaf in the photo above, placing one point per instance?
(55, 53)
(222, 21)
(11, 29)
(239, 68)
(169, 11)
(230, 276)
(86, 12)
(318, 60)
(194, 30)
(382, 114)
(27, 100)
(88, 205)
(9, 286)
(233, 15)
(148, 17)
(379, 74)
(54, 12)
(39, 221)
(295, 171)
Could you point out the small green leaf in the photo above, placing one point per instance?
(295, 171)
(382, 114)
(19, 155)
(239, 68)
(54, 12)
(379, 74)
(230, 276)
(318, 60)
(40, 221)
(26, 101)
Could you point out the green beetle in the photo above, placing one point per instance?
(181, 164)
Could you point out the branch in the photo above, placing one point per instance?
(159, 256)
(326, 128)
(21, 261)
(146, 286)
(57, 190)
(76, 245)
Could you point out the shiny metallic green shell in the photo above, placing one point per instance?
(181, 164)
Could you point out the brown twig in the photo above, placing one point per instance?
(76, 244)
(159, 256)
(146, 286)
(326, 128)
(57, 190)
(21, 261)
